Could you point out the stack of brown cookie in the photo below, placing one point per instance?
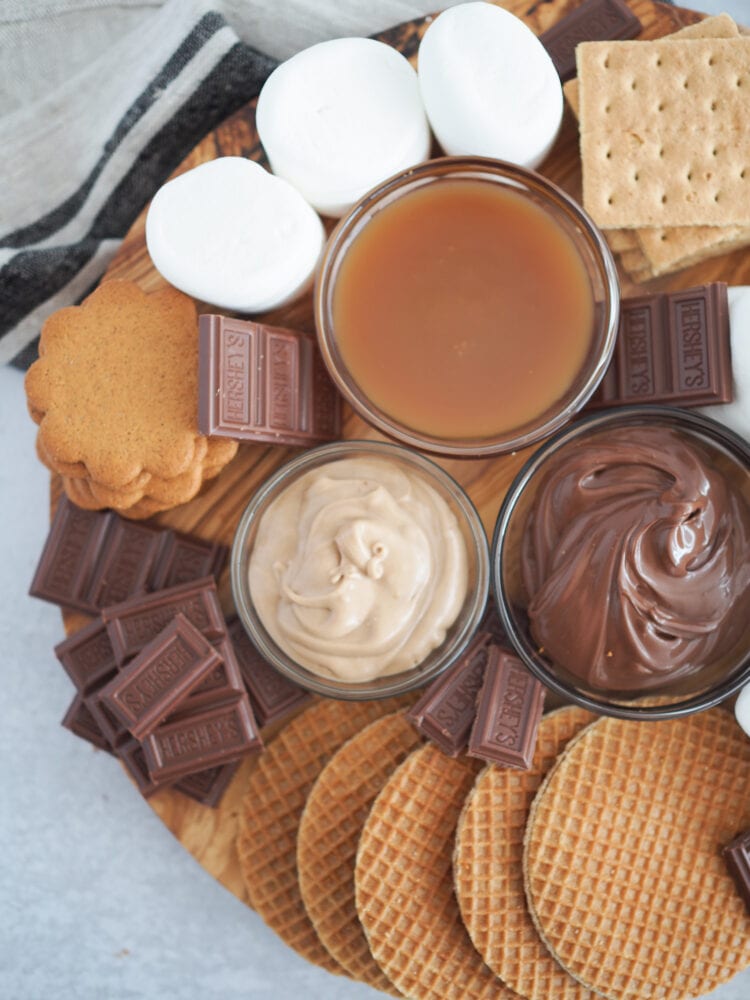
(115, 394)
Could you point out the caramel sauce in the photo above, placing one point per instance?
(463, 310)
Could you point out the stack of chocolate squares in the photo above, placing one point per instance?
(161, 680)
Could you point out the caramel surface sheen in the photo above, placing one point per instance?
(463, 310)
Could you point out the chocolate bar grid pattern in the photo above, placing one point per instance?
(671, 348)
(593, 21)
(264, 384)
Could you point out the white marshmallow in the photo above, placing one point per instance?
(488, 85)
(339, 118)
(736, 415)
(742, 709)
(230, 233)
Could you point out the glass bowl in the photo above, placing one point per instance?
(574, 232)
(459, 633)
(711, 682)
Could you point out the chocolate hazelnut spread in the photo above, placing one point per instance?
(358, 569)
(636, 559)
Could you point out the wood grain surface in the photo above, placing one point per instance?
(210, 834)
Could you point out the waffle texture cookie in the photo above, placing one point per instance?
(488, 873)
(624, 875)
(329, 832)
(115, 394)
(272, 809)
(404, 882)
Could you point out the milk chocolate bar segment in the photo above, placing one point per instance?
(88, 657)
(135, 622)
(445, 712)
(160, 677)
(271, 695)
(509, 708)
(181, 559)
(264, 384)
(593, 21)
(125, 563)
(736, 855)
(672, 348)
(208, 787)
(66, 566)
(79, 720)
(201, 740)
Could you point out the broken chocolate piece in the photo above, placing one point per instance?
(736, 855)
(264, 384)
(672, 348)
(509, 708)
(445, 712)
(271, 694)
(593, 21)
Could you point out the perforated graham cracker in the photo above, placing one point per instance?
(622, 863)
(488, 871)
(719, 26)
(664, 132)
(272, 808)
(404, 883)
(329, 832)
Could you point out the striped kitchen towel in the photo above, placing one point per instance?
(100, 146)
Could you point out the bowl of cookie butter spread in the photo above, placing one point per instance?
(621, 562)
(360, 570)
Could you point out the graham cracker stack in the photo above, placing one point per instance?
(689, 152)
(622, 858)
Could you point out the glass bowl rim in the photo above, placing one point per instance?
(499, 171)
(708, 698)
(403, 681)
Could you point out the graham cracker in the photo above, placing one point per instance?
(488, 872)
(622, 864)
(719, 26)
(664, 132)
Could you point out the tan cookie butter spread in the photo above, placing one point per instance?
(636, 557)
(358, 569)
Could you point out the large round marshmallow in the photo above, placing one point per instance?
(339, 118)
(230, 233)
(736, 415)
(488, 85)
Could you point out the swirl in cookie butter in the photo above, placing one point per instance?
(358, 569)
(636, 556)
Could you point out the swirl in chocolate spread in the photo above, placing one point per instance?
(636, 557)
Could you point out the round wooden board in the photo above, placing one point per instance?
(209, 834)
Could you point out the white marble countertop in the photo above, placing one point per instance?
(97, 900)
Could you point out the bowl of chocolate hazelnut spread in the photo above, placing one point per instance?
(360, 570)
(621, 562)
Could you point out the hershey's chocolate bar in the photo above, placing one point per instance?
(135, 622)
(79, 720)
(509, 709)
(94, 558)
(271, 694)
(201, 740)
(446, 710)
(672, 348)
(208, 787)
(88, 657)
(156, 681)
(264, 384)
(736, 855)
(593, 21)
